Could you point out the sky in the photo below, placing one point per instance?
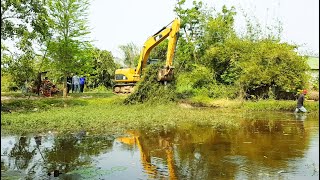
(115, 23)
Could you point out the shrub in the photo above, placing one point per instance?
(100, 88)
(7, 84)
(196, 82)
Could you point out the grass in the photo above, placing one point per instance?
(106, 113)
(261, 105)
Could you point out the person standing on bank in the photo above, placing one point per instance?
(76, 83)
(300, 101)
(82, 81)
(69, 84)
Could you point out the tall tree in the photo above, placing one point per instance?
(69, 29)
(131, 54)
(18, 15)
(103, 68)
(191, 27)
(24, 25)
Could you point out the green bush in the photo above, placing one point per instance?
(194, 83)
(99, 89)
(7, 83)
(257, 65)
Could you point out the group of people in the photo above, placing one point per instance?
(75, 83)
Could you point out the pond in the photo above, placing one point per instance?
(267, 146)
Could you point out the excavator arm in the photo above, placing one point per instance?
(167, 31)
(125, 79)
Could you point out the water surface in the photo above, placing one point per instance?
(267, 146)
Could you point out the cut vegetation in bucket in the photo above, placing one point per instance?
(150, 90)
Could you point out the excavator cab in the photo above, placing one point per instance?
(152, 61)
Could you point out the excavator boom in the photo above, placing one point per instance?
(172, 33)
(125, 79)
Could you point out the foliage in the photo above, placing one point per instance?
(7, 84)
(256, 66)
(148, 89)
(200, 83)
(191, 29)
(131, 54)
(100, 88)
(160, 51)
(219, 28)
(315, 83)
(100, 69)
(253, 64)
(25, 24)
(199, 79)
(183, 59)
(223, 91)
(20, 68)
(16, 16)
(67, 49)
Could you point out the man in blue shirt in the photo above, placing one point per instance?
(82, 81)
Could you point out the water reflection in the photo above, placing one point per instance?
(260, 149)
(300, 116)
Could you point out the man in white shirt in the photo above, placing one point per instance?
(76, 83)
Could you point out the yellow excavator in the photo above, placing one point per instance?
(151, 170)
(125, 79)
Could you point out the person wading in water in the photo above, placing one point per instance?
(300, 101)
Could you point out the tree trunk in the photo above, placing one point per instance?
(38, 82)
(65, 88)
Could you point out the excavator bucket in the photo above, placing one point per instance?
(165, 74)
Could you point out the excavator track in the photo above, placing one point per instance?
(123, 88)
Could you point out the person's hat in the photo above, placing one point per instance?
(304, 91)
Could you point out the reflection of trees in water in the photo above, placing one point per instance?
(273, 126)
(66, 153)
(200, 153)
(272, 143)
(186, 160)
(156, 153)
(21, 154)
(70, 152)
(204, 153)
(187, 152)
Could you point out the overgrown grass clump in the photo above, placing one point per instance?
(280, 105)
(28, 105)
(19, 102)
(150, 90)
